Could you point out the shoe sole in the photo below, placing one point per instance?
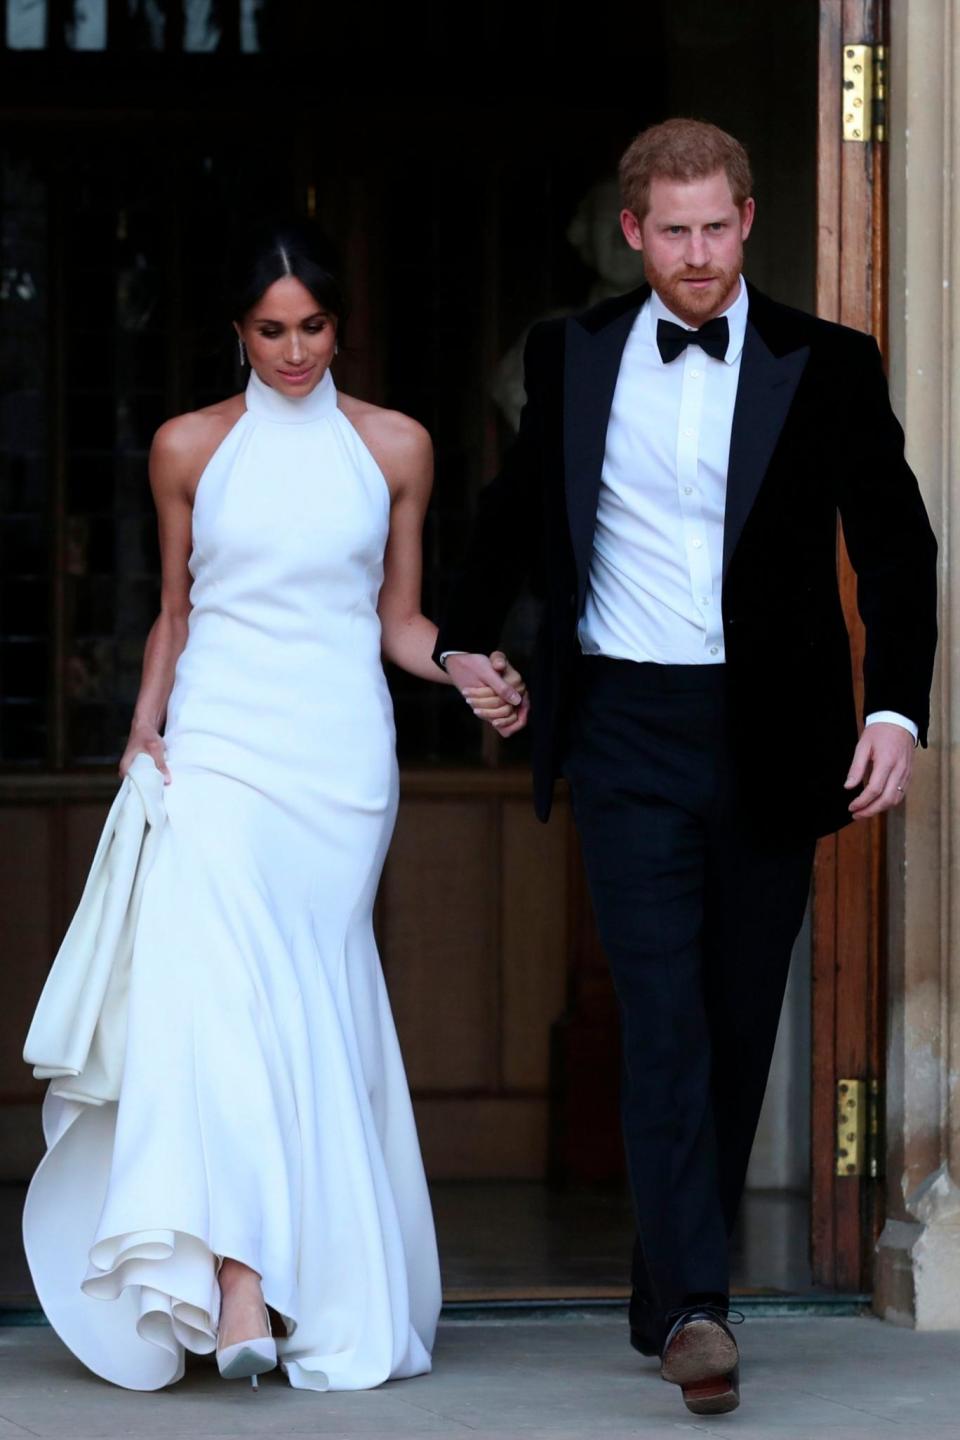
(716, 1396)
(702, 1350)
(246, 1363)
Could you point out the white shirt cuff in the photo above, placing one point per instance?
(890, 717)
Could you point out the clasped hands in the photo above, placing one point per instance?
(493, 689)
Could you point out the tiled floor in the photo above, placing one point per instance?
(569, 1378)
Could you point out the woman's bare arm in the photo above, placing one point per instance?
(179, 452)
(404, 452)
(406, 458)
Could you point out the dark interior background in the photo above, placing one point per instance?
(447, 152)
(462, 159)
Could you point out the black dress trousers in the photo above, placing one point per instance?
(697, 914)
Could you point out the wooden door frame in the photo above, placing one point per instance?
(849, 901)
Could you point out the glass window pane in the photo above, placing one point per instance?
(25, 542)
(148, 23)
(24, 608)
(200, 30)
(116, 362)
(95, 734)
(26, 24)
(250, 26)
(89, 484)
(23, 545)
(21, 478)
(89, 672)
(87, 27)
(94, 607)
(23, 733)
(23, 669)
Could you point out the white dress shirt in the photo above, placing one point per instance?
(655, 575)
(656, 572)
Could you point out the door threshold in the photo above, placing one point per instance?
(572, 1303)
(755, 1306)
(22, 1315)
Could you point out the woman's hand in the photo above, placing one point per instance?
(146, 740)
(487, 705)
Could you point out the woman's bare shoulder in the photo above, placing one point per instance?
(186, 434)
(184, 444)
(397, 440)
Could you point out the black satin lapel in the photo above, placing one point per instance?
(590, 377)
(765, 392)
(590, 370)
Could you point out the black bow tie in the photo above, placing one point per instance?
(672, 340)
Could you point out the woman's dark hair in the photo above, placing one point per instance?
(272, 249)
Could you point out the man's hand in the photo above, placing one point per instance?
(882, 762)
(493, 689)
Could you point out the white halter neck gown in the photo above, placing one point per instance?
(264, 1111)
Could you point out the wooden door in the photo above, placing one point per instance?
(848, 898)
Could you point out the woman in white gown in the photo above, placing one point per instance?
(263, 1150)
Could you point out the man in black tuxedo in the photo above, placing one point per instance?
(674, 489)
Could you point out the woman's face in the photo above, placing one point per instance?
(289, 338)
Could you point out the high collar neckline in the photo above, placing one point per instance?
(267, 403)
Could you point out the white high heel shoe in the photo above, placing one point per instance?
(249, 1358)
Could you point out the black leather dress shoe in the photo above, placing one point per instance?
(700, 1355)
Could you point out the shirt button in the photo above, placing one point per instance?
(695, 374)
(714, 649)
(689, 431)
(688, 489)
(697, 544)
(706, 599)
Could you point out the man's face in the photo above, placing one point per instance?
(692, 243)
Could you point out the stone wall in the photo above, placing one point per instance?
(918, 1272)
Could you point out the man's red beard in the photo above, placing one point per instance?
(688, 304)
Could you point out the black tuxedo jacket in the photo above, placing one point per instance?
(813, 436)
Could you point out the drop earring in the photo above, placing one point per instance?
(336, 347)
(243, 352)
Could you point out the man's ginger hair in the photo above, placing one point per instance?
(682, 150)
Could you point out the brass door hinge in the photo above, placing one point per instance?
(859, 1128)
(864, 112)
(875, 1130)
(879, 92)
(851, 1126)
